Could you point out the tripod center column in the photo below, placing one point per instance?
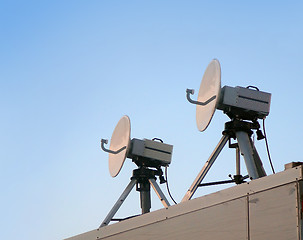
(145, 196)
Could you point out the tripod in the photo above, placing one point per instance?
(242, 131)
(142, 177)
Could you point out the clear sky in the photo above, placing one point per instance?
(69, 70)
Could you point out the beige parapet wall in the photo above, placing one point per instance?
(266, 208)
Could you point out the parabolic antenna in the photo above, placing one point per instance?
(209, 88)
(120, 143)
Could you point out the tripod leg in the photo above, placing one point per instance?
(252, 160)
(205, 168)
(118, 203)
(159, 193)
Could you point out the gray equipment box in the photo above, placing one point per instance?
(244, 103)
(157, 152)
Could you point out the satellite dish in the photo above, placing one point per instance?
(208, 93)
(119, 144)
(244, 106)
(148, 155)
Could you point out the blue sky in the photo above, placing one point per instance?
(70, 69)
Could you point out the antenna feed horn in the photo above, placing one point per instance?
(190, 91)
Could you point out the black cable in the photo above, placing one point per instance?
(168, 187)
(267, 148)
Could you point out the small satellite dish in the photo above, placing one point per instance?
(209, 89)
(119, 143)
(148, 155)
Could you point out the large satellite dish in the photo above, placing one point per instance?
(209, 89)
(244, 106)
(119, 143)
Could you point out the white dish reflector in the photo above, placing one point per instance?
(210, 86)
(120, 138)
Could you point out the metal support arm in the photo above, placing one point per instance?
(105, 141)
(118, 204)
(253, 162)
(159, 193)
(191, 91)
(205, 168)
